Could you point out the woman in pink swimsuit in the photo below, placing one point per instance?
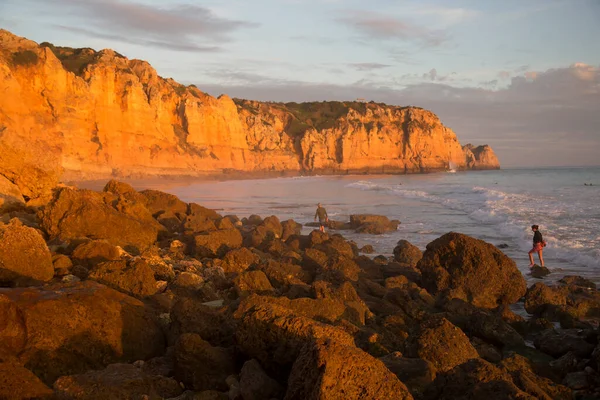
(538, 245)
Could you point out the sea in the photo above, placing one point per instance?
(497, 206)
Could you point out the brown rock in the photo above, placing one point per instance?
(273, 334)
(255, 384)
(212, 324)
(217, 243)
(252, 282)
(74, 214)
(539, 272)
(201, 366)
(10, 195)
(24, 257)
(290, 228)
(123, 189)
(559, 343)
(415, 373)
(329, 370)
(91, 253)
(475, 379)
(373, 224)
(72, 329)
(17, 382)
(238, 260)
(62, 264)
(523, 375)
(407, 253)
(441, 343)
(540, 297)
(116, 381)
(159, 203)
(135, 278)
(458, 266)
(574, 280)
(186, 284)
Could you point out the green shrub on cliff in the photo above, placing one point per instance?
(24, 58)
(73, 60)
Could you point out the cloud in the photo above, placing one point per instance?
(368, 66)
(446, 15)
(550, 120)
(504, 75)
(376, 26)
(178, 25)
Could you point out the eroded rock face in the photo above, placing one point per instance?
(329, 370)
(17, 382)
(459, 266)
(10, 195)
(24, 256)
(149, 125)
(117, 381)
(70, 329)
(75, 214)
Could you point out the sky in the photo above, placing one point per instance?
(520, 75)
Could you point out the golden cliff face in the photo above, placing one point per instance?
(98, 114)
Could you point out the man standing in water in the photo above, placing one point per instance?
(538, 245)
(323, 218)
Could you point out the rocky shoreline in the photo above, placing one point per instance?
(119, 294)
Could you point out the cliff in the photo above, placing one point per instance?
(87, 114)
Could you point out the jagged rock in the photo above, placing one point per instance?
(61, 330)
(186, 284)
(217, 243)
(523, 375)
(238, 260)
(577, 380)
(290, 228)
(274, 335)
(116, 381)
(415, 373)
(91, 253)
(284, 275)
(10, 195)
(135, 278)
(407, 253)
(539, 272)
(24, 256)
(338, 269)
(255, 384)
(373, 224)
(159, 203)
(337, 246)
(252, 282)
(17, 382)
(574, 280)
(540, 297)
(123, 189)
(441, 343)
(62, 264)
(74, 214)
(558, 343)
(201, 366)
(487, 351)
(212, 324)
(458, 266)
(162, 270)
(329, 370)
(475, 379)
(367, 249)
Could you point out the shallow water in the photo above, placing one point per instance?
(496, 206)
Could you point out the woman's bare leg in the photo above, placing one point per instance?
(530, 258)
(541, 258)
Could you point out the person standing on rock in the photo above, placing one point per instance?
(538, 245)
(323, 218)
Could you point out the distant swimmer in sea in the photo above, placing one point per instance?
(538, 245)
(321, 213)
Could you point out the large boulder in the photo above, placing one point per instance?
(407, 254)
(93, 252)
(415, 373)
(63, 330)
(558, 343)
(135, 278)
(373, 224)
(274, 335)
(329, 370)
(541, 298)
(17, 382)
(238, 260)
(159, 203)
(214, 325)
(74, 214)
(475, 379)
(255, 384)
(202, 366)
(117, 381)
(441, 343)
(459, 266)
(24, 256)
(10, 195)
(217, 243)
(522, 372)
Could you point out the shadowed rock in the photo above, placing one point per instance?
(255, 384)
(459, 266)
(407, 253)
(329, 370)
(24, 256)
(17, 382)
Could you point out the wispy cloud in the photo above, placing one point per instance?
(376, 26)
(447, 16)
(368, 66)
(180, 26)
